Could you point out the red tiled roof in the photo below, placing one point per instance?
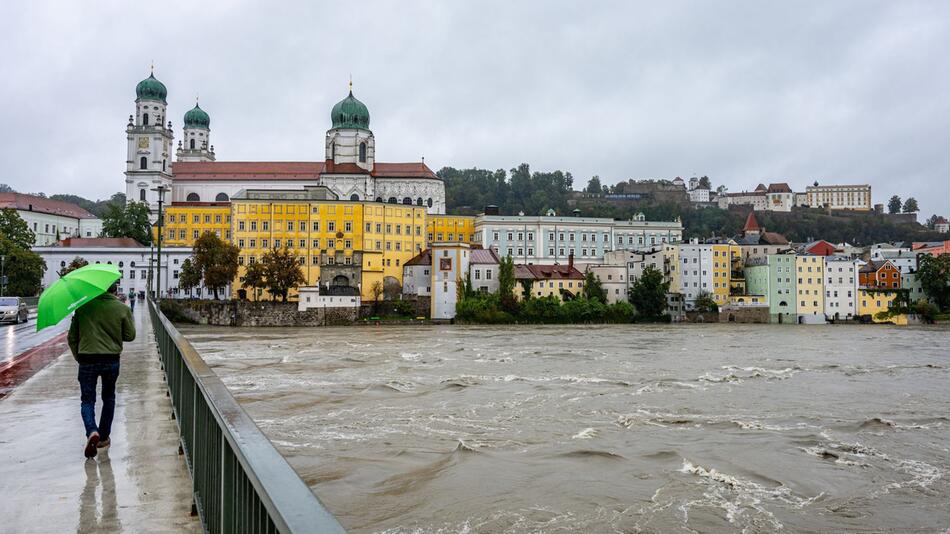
(80, 242)
(484, 256)
(780, 188)
(422, 258)
(773, 238)
(291, 170)
(19, 201)
(546, 272)
(751, 225)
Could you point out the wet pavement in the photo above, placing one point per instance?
(18, 338)
(140, 484)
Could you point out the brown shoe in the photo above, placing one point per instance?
(91, 444)
(104, 443)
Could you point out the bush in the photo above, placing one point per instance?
(619, 312)
(403, 307)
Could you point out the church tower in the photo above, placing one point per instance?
(349, 139)
(196, 136)
(148, 163)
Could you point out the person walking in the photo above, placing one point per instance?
(132, 300)
(98, 329)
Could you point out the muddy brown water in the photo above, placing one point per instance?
(605, 429)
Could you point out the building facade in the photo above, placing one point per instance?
(450, 264)
(840, 197)
(783, 291)
(810, 288)
(841, 287)
(51, 220)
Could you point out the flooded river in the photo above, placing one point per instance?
(605, 429)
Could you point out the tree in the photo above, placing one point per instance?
(23, 268)
(130, 221)
(931, 223)
(704, 183)
(15, 229)
(910, 205)
(281, 272)
(376, 291)
(594, 186)
(593, 288)
(216, 260)
(4, 188)
(190, 276)
(76, 263)
(648, 293)
(706, 303)
(721, 189)
(894, 204)
(506, 277)
(933, 272)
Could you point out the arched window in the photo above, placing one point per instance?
(419, 201)
(429, 202)
(379, 199)
(407, 201)
(145, 119)
(392, 200)
(142, 195)
(193, 197)
(221, 197)
(191, 144)
(362, 152)
(143, 163)
(354, 197)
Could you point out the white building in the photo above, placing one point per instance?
(417, 275)
(136, 263)
(483, 270)
(841, 287)
(775, 197)
(310, 297)
(695, 271)
(347, 166)
(613, 278)
(51, 220)
(839, 197)
(450, 263)
(942, 225)
(550, 239)
(699, 195)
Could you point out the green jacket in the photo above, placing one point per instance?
(100, 326)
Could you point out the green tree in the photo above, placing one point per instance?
(894, 204)
(648, 294)
(14, 228)
(910, 205)
(190, 276)
(933, 272)
(129, 221)
(76, 263)
(281, 272)
(593, 288)
(931, 222)
(704, 183)
(594, 186)
(216, 260)
(376, 291)
(506, 277)
(706, 303)
(23, 268)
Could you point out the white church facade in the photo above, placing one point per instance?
(348, 167)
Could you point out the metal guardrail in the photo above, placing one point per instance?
(241, 483)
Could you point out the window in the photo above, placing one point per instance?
(407, 201)
(131, 274)
(143, 163)
(277, 243)
(331, 226)
(142, 195)
(241, 226)
(193, 197)
(316, 243)
(290, 226)
(348, 226)
(331, 243)
(265, 225)
(264, 243)
(362, 152)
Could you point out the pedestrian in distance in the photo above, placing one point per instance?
(132, 300)
(98, 329)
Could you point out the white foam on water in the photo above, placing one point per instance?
(411, 356)
(587, 433)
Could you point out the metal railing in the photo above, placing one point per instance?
(241, 483)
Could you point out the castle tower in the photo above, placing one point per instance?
(349, 139)
(148, 163)
(196, 137)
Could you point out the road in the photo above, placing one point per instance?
(15, 339)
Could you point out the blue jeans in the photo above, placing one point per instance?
(89, 374)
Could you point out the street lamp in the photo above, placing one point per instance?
(3, 276)
(158, 277)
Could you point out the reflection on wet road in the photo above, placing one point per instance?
(18, 338)
(702, 428)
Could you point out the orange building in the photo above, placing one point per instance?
(880, 275)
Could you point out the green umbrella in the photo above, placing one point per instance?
(72, 291)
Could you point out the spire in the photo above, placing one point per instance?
(751, 225)
(351, 85)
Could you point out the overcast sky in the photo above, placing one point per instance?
(744, 92)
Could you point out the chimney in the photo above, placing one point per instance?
(570, 261)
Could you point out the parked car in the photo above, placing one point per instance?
(13, 310)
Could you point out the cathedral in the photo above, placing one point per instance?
(348, 169)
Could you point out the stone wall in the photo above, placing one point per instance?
(246, 313)
(757, 314)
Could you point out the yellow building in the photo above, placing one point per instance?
(323, 231)
(186, 221)
(873, 301)
(451, 228)
(810, 286)
(722, 271)
(548, 280)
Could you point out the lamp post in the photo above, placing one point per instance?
(3, 276)
(158, 277)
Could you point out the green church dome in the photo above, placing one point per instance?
(197, 118)
(151, 89)
(350, 113)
